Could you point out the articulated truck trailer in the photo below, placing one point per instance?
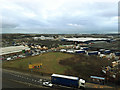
(68, 81)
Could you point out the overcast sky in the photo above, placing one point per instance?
(59, 16)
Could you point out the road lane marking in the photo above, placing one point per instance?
(30, 84)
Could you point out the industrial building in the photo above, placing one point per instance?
(13, 50)
(85, 40)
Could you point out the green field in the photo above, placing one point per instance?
(62, 63)
(50, 62)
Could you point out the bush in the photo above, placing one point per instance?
(85, 66)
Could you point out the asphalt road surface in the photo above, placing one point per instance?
(14, 79)
(20, 80)
(6, 83)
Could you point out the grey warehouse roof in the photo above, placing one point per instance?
(12, 49)
(85, 39)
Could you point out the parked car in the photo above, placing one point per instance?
(9, 58)
(33, 54)
(14, 57)
(63, 50)
(21, 56)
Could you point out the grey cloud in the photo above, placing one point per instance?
(9, 25)
(38, 15)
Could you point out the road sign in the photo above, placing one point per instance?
(30, 66)
(38, 65)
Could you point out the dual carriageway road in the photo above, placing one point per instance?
(15, 79)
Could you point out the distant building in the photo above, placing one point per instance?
(13, 50)
(43, 38)
(85, 40)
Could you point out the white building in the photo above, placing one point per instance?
(12, 49)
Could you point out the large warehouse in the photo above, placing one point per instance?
(85, 40)
(13, 49)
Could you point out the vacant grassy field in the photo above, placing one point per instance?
(62, 63)
(50, 62)
(85, 66)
